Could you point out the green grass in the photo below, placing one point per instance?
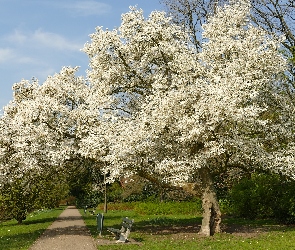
(20, 237)
(178, 231)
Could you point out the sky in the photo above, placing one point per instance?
(39, 37)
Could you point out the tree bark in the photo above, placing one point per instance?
(211, 211)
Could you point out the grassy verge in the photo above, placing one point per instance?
(21, 237)
(178, 231)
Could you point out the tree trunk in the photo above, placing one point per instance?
(211, 211)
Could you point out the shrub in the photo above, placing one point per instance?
(264, 196)
(122, 206)
(168, 208)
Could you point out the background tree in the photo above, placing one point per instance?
(41, 122)
(38, 140)
(264, 196)
(31, 191)
(278, 17)
(46, 128)
(191, 15)
(85, 182)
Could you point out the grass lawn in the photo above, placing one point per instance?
(21, 237)
(177, 231)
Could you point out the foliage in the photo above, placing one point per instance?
(85, 183)
(169, 208)
(122, 206)
(114, 192)
(29, 192)
(136, 188)
(264, 196)
(90, 199)
(68, 201)
(20, 237)
(292, 59)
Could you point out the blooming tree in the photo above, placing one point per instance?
(40, 130)
(207, 112)
(158, 107)
(273, 16)
(141, 55)
(42, 120)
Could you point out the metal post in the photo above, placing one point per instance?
(99, 220)
(105, 208)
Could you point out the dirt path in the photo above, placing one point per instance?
(68, 232)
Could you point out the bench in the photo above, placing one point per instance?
(121, 235)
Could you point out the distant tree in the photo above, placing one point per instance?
(37, 140)
(191, 15)
(85, 182)
(278, 17)
(40, 123)
(29, 191)
(43, 129)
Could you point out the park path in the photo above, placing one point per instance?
(68, 232)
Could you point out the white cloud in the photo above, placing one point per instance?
(11, 55)
(54, 40)
(40, 38)
(6, 55)
(17, 37)
(87, 8)
(26, 60)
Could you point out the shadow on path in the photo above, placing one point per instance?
(68, 231)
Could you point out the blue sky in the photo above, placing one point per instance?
(38, 37)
